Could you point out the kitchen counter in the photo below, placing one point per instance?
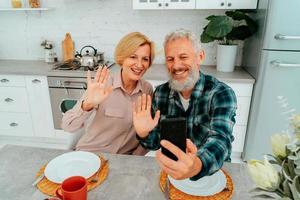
(130, 177)
(156, 71)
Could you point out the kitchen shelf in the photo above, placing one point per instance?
(25, 9)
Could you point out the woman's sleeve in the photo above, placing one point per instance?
(75, 118)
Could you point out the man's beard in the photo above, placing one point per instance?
(189, 83)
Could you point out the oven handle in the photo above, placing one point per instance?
(68, 84)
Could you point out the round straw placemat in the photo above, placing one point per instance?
(176, 194)
(49, 188)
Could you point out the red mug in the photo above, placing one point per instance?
(73, 188)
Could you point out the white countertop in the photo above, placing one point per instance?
(156, 71)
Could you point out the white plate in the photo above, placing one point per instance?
(76, 163)
(206, 186)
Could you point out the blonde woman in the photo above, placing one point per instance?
(105, 110)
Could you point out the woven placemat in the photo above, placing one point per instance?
(176, 194)
(49, 188)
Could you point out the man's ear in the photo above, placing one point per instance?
(201, 56)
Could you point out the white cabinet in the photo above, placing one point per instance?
(226, 4)
(15, 119)
(163, 4)
(243, 92)
(40, 107)
(25, 108)
(194, 4)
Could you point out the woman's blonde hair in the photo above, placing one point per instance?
(129, 44)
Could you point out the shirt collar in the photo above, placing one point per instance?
(117, 83)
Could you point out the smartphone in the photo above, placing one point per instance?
(174, 130)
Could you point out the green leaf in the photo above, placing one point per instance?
(211, 17)
(297, 162)
(236, 15)
(257, 189)
(291, 168)
(264, 196)
(277, 159)
(247, 10)
(292, 157)
(219, 27)
(274, 162)
(285, 171)
(297, 171)
(239, 33)
(205, 38)
(296, 182)
(286, 188)
(253, 26)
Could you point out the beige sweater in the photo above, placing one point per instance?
(108, 128)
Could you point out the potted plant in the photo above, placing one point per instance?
(227, 29)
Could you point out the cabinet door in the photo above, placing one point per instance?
(12, 81)
(13, 99)
(239, 133)
(148, 4)
(40, 107)
(179, 4)
(241, 4)
(282, 30)
(210, 4)
(15, 124)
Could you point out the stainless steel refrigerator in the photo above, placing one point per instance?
(272, 57)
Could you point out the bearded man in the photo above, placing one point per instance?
(208, 105)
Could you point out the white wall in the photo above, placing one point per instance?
(100, 23)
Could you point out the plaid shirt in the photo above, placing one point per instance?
(210, 120)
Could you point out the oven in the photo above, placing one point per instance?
(64, 94)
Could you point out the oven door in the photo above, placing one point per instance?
(63, 99)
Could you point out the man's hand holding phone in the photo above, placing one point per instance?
(187, 165)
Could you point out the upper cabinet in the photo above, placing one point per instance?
(163, 4)
(194, 4)
(226, 4)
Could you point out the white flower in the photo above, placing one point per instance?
(279, 142)
(295, 122)
(264, 174)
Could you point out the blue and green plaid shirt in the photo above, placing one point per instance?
(210, 120)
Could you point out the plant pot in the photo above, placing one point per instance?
(226, 56)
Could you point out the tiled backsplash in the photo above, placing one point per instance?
(100, 23)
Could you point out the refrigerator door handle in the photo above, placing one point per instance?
(286, 37)
(276, 63)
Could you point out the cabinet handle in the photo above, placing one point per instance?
(222, 4)
(36, 81)
(4, 80)
(286, 37)
(13, 124)
(276, 63)
(166, 4)
(229, 4)
(8, 100)
(159, 5)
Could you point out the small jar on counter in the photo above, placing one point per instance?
(16, 3)
(34, 3)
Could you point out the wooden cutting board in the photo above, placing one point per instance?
(68, 47)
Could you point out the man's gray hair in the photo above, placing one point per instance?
(182, 33)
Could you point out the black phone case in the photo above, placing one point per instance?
(174, 130)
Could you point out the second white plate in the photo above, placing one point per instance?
(76, 163)
(205, 186)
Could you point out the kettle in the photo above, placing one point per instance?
(89, 59)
